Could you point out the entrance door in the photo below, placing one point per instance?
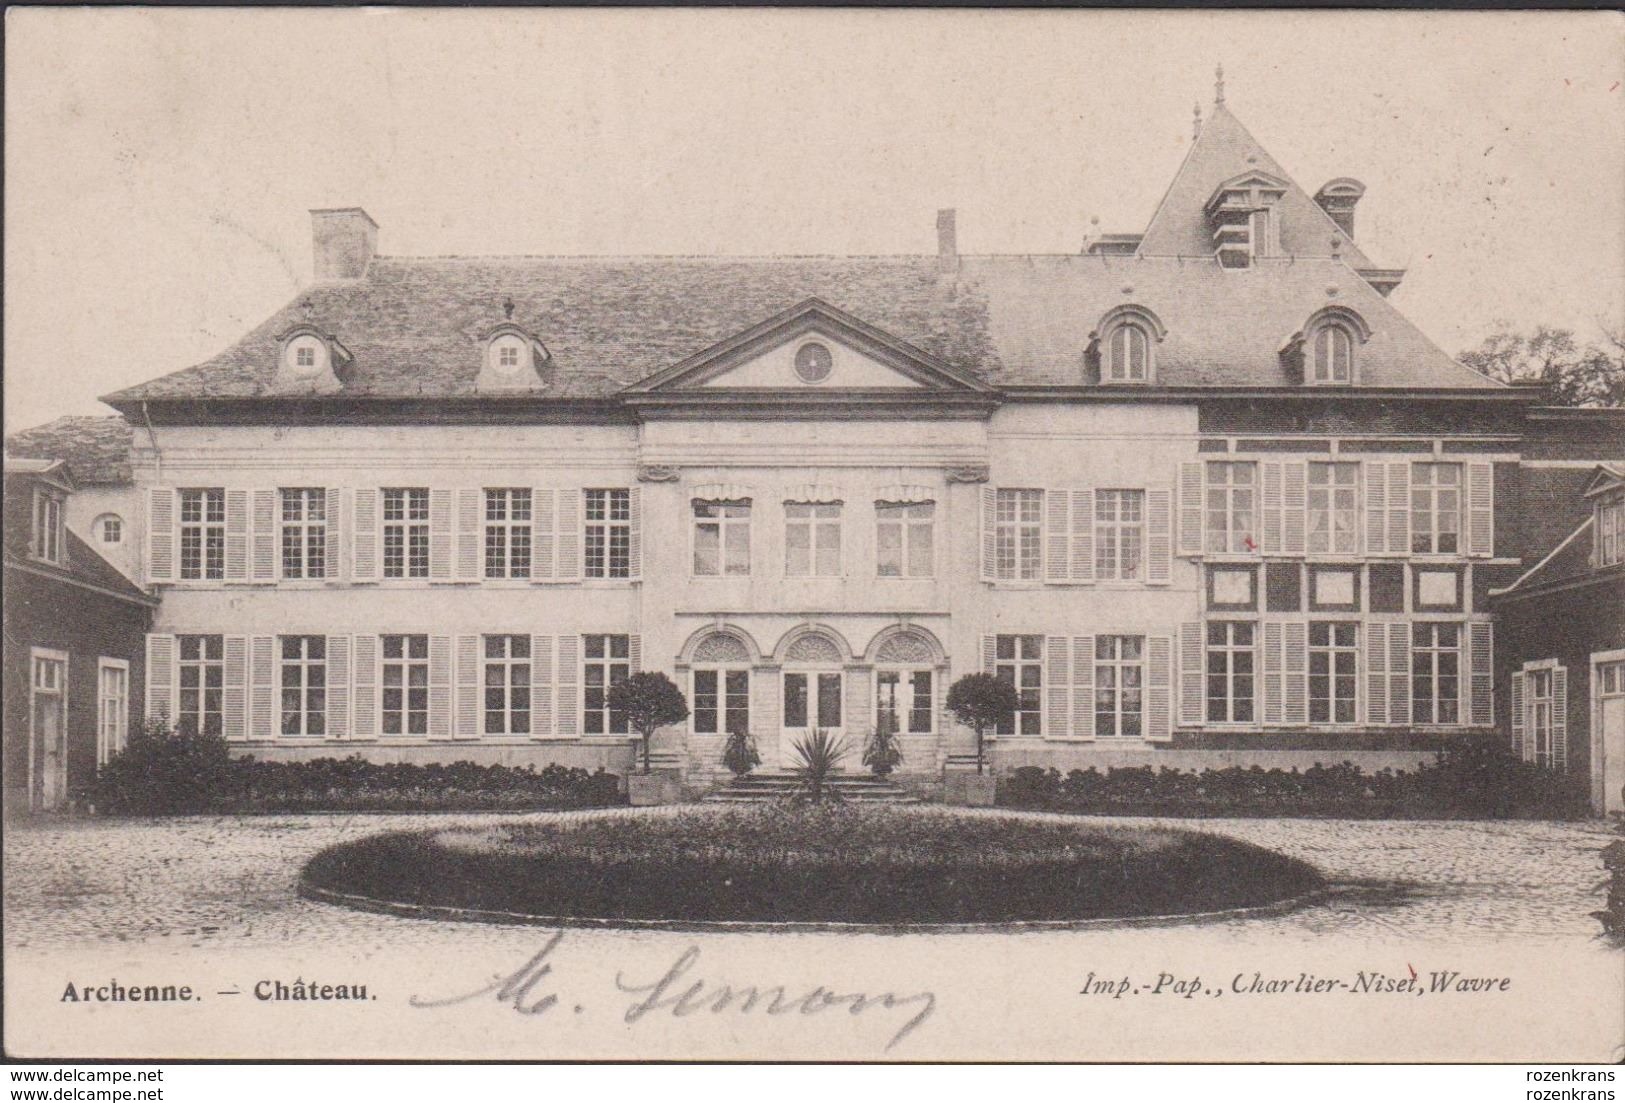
(48, 732)
(1609, 686)
(812, 699)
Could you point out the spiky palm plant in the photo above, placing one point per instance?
(820, 754)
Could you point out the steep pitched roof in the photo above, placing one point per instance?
(97, 449)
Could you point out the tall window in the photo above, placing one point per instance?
(406, 532)
(304, 532)
(202, 674)
(903, 539)
(1611, 530)
(1119, 678)
(1019, 660)
(1436, 508)
(507, 533)
(609, 534)
(722, 538)
(47, 543)
(203, 533)
(1539, 683)
(903, 700)
(812, 539)
(1119, 533)
(1128, 354)
(1331, 355)
(1333, 506)
(1333, 651)
(507, 685)
(406, 685)
(721, 700)
(1018, 534)
(1231, 490)
(1230, 671)
(606, 661)
(304, 685)
(1435, 673)
(112, 707)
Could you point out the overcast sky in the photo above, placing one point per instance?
(160, 163)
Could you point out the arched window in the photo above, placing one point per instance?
(1331, 354)
(1128, 354)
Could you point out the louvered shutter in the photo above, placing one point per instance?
(541, 686)
(1083, 686)
(470, 500)
(544, 542)
(440, 535)
(763, 699)
(1481, 509)
(634, 653)
(990, 533)
(1376, 508)
(365, 706)
(1376, 672)
(469, 712)
(567, 705)
(1158, 724)
(262, 704)
(1159, 537)
(1399, 508)
(859, 705)
(364, 539)
(1058, 690)
(439, 687)
(1083, 535)
(161, 677)
(1190, 508)
(332, 566)
(990, 652)
(1399, 673)
(1518, 716)
(1274, 689)
(1270, 488)
(1481, 634)
(569, 536)
(1295, 673)
(236, 536)
(1560, 718)
(634, 535)
(161, 534)
(338, 687)
(264, 535)
(234, 691)
(1058, 535)
(1294, 506)
(1190, 672)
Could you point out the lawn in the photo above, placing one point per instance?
(814, 864)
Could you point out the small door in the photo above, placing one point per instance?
(48, 734)
(812, 699)
(1610, 690)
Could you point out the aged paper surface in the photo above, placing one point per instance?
(159, 167)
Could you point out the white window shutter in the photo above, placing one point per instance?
(234, 692)
(1058, 691)
(543, 527)
(439, 687)
(1158, 722)
(440, 535)
(859, 703)
(365, 705)
(160, 534)
(1481, 509)
(1190, 508)
(364, 537)
(1083, 687)
(338, 687)
(990, 530)
(569, 536)
(1399, 672)
(1560, 718)
(161, 677)
(333, 567)
(1481, 635)
(1294, 506)
(1399, 508)
(541, 686)
(470, 518)
(1376, 507)
(1376, 672)
(1083, 535)
(262, 702)
(634, 541)
(634, 653)
(1269, 477)
(567, 704)
(265, 530)
(1159, 537)
(1273, 696)
(1295, 673)
(990, 651)
(1190, 672)
(1518, 747)
(470, 712)
(1057, 535)
(236, 536)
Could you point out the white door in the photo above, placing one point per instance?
(1609, 686)
(812, 699)
(48, 733)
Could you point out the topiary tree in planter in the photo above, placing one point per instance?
(739, 753)
(882, 752)
(980, 701)
(650, 700)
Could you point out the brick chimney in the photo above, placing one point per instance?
(1337, 198)
(344, 240)
(947, 240)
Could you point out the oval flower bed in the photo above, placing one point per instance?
(811, 864)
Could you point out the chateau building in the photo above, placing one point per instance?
(1203, 494)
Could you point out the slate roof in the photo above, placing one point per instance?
(1570, 561)
(96, 449)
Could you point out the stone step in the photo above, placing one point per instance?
(860, 788)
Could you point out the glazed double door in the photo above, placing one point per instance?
(812, 699)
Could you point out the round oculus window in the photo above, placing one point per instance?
(813, 362)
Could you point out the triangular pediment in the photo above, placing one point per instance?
(1605, 478)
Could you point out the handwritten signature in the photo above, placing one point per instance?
(672, 992)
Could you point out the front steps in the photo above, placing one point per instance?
(857, 788)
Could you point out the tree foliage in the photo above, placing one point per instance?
(1573, 374)
(650, 701)
(980, 701)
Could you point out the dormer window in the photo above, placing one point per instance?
(47, 540)
(1324, 352)
(1611, 529)
(306, 355)
(311, 359)
(511, 360)
(1240, 214)
(1123, 347)
(508, 354)
(1331, 357)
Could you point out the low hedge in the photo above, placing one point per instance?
(1471, 779)
(166, 774)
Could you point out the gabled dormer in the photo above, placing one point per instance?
(1241, 215)
(36, 509)
(512, 358)
(1606, 493)
(310, 359)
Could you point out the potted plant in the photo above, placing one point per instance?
(820, 754)
(979, 701)
(883, 752)
(650, 701)
(739, 753)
